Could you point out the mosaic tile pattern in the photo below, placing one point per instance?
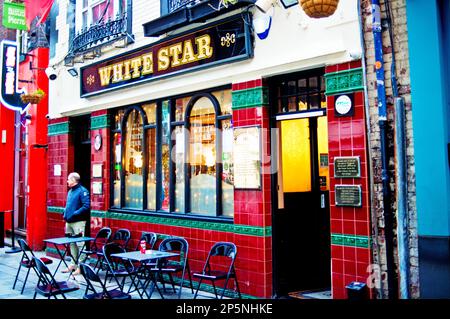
(344, 81)
(101, 121)
(58, 128)
(250, 97)
(230, 228)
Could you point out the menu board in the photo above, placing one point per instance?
(247, 157)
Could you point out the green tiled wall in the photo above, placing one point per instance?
(250, 97)
(344, 81)
(176, 222)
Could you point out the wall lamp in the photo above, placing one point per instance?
(73, 72)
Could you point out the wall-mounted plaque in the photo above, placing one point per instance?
(347, 167)
(247, 158)
(348, 195)
(97, 188)
(97, 170)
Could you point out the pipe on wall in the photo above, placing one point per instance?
(367, 117)
(382, 122)
(401, 176)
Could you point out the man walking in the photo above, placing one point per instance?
(76, 215)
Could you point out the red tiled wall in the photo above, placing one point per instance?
(101, 202)
(347, 137)
(253, 208)
(60, 151)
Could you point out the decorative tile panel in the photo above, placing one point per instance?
(350, 240)
(229, 228)
(250, 97)
(58, 129)
(101, 121)
(344, 81)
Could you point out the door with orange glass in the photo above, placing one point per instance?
(301, 231)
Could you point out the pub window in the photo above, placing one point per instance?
(133, 160)
(96, 11)
(175, 156)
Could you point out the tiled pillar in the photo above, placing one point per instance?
(347, 136)
(253, 207)
(100, 157)
(60, 164)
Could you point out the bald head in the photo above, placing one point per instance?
(73, 179)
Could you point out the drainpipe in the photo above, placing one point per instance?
(369, 142)
(401, 178)
(382, 121)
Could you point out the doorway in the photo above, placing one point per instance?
(301, 218)
(81, 132)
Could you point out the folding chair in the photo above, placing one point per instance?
(216, 256)
(122, 237)
(171, 266)
(91, 276)
(27, 262)
(100, 240)
(47, 285)
(118, 268)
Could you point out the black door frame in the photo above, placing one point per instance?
(315, 182)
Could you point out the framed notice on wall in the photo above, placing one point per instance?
(247, 157)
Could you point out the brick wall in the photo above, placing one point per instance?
(400, 48)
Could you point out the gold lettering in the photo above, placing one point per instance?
(147, 63)
(175, 51)
(127, 73)
(136, 64)
(117, 72)
(163, 59)
(204, 49)
(105, 75)
(188, 52)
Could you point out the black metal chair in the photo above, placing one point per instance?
(101, 239)
(171, 266)
(118, 268)
(219, 252)
(122, 237)
(91, 276)
(27, 262)
(47, 285)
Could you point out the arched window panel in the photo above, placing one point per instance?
(225, 101)
(117, 151)
(202, 158)
(227, 169)
(133, 160)
(178, 154)
(165, 155)
(151, 177)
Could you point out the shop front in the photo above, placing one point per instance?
(247, 156)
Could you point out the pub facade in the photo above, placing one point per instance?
(214, 121)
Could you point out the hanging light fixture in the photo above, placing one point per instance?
(319, 8)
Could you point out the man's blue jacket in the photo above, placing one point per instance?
(78, 204)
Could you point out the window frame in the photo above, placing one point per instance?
(185, 214)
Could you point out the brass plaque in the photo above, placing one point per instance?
(347, 167)
(348, 195)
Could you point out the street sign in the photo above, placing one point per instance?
(9, 78)
(14, 16)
